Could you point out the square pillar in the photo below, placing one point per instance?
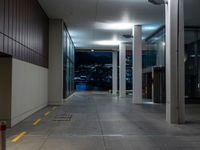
(175, 86)
(122, 70)
(56, 47)
(114, 72)
(137, 64)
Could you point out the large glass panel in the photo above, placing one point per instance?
(93, 71)
(148, 60)
(129, 64)
(192, 58)
(68, 70)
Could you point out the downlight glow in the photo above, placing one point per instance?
(114, 26)
(150, 28)
(163, 43)
(108, 42)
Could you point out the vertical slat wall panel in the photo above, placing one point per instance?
(20, 28)
(17, 30)
(1, 15)
(14, 28)
(5, 44)
(24, 31)
(1, 24)
(10, 24)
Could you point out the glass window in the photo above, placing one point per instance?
(192, 57)
(68, 70)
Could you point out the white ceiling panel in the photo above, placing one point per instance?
(84, 17)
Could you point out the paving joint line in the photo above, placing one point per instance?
(99, 121)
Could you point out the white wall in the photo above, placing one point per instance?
(56, 62)
(29, 89)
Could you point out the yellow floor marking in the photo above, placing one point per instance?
(37, 122)
(47, 113)
(18, 137)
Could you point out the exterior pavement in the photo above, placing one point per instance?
(103, 122)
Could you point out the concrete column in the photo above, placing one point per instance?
(56, 40)
(114, 72)
(122, 70)
(137, 64)
(175, 102)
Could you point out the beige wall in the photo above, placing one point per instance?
(29, 89)
(55, 62)
(23, 89)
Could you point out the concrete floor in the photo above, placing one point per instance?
(102, 122)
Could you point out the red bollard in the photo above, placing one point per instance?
(2, 136)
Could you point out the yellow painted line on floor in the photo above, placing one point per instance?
(18, 137)
(37, 122)
(47, 113)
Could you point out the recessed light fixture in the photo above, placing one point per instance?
(115, 26)
(163, 43)
(149, 28)
(108, 42)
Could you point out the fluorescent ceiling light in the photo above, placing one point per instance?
(108, 42)
(150, 28)
(115, 26)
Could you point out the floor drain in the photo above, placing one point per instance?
(63, 117)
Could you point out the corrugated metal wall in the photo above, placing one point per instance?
(24, 29)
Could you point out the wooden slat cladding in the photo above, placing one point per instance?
(24, 29)
(1, 23)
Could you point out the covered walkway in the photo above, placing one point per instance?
(101, 121)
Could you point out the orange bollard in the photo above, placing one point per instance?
(2, 136)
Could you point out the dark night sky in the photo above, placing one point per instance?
(109, 54)
(92, 58)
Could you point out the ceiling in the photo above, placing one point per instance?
(90, 21)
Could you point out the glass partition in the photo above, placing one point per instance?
(148, 60)
(156, 42)
(68, 61)
(93, 71)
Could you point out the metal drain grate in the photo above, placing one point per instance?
(63, 117)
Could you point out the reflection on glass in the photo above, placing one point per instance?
(68, 64)
(93, 71)
(192, 57)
